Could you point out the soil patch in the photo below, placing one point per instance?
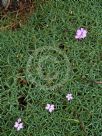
(14, 13)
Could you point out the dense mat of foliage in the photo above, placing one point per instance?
(51, 77)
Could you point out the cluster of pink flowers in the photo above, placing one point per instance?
(51, 107)
(18, 124)
(81, 33)
(69, 96)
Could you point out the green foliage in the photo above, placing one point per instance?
(53, 25)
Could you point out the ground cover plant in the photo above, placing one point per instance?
(51, 71)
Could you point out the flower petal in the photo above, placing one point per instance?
(78, 33)
(47, 106)
(52, 107)
(50, 110)
(18, 128)
(19, 120)
(16, 124)
(21, 125)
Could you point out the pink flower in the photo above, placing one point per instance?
(50, 107)
(81, 33)
(69, 96)
(18, 124)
